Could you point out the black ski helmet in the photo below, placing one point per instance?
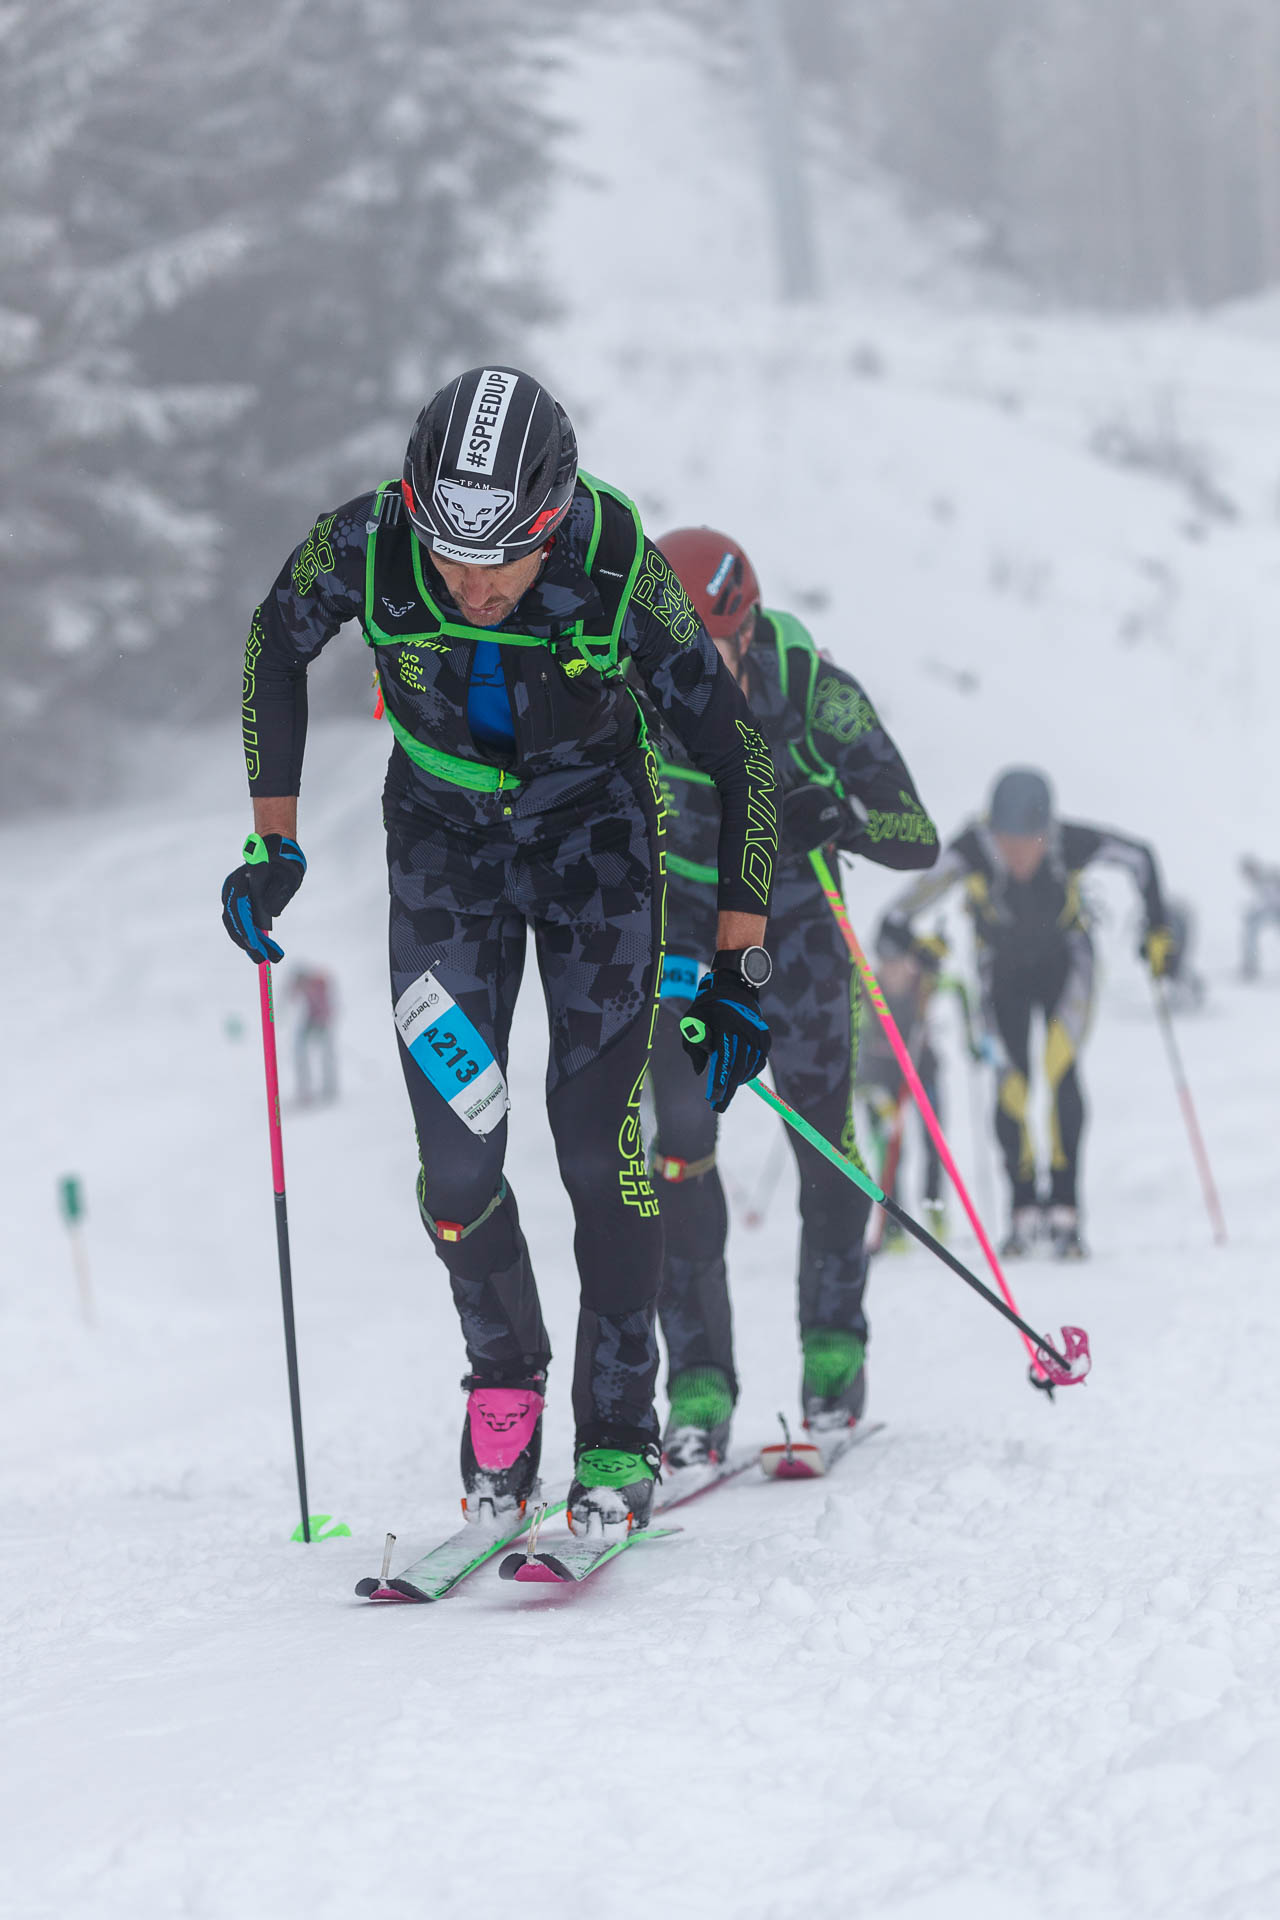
(1021, 802)
(490, 467)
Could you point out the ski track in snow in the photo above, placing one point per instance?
(1010, 1659)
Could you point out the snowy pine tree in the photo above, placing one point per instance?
(241, 246)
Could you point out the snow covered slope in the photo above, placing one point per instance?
(1013, 1661)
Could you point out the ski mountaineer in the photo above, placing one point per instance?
(505, 595)
(843, 783)
(1020, 869)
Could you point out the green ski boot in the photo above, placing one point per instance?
(833, 1391)
(612, 1491)
(697, 1429)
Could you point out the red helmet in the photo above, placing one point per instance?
(717, 576)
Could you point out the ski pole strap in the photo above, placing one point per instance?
(669, 1166)
(451, 1231)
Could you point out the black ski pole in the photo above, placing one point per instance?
(1050, 1368)
(282, 1231)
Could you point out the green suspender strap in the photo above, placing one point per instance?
(676, 863)
(798, 673)
(624, 548)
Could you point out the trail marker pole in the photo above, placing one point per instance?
(71, 1204)
(1199, 1152)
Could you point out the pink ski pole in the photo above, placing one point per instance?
(1039, 1377)
(282, 1230)
(1198, 1149)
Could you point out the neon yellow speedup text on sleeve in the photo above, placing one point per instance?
(598, 650)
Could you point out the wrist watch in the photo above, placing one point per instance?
(751, 964)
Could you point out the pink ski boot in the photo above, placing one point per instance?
(501, 1447)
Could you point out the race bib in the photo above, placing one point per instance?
(680, 977)
(451, 1053)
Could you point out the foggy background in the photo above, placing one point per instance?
(961, 315)
(241, 243)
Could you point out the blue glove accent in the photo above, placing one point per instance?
(258, 945)
(256, 892)
(735, 1043)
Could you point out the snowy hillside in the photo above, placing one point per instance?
(1048, 540)
(1012, 1661)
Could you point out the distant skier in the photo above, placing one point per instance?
(1263, 910)
(1020, 868)
(312, 991)
(504, 596)
(843, 783)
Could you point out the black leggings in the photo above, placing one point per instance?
(587, 879)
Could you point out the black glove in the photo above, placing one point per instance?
(814, 817)
(725, 1031)
(255, 893)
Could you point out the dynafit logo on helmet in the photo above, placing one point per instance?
(472, 511)
(482, 436)
(720, 575)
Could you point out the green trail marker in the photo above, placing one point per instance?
(71, 1206)
(321, 1528)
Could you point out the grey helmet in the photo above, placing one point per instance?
(1021, 802)
(490, 467)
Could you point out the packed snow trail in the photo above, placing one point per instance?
(1008, 1659)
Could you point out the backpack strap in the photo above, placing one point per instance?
(798, 676)
(614, 555)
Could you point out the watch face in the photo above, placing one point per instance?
(756, 966)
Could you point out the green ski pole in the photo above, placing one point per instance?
(1064, 1369)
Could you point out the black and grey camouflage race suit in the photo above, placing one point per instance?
(811, 1003)
(562, 834)
(1034, 952)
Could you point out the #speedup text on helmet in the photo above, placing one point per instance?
(483, 435)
